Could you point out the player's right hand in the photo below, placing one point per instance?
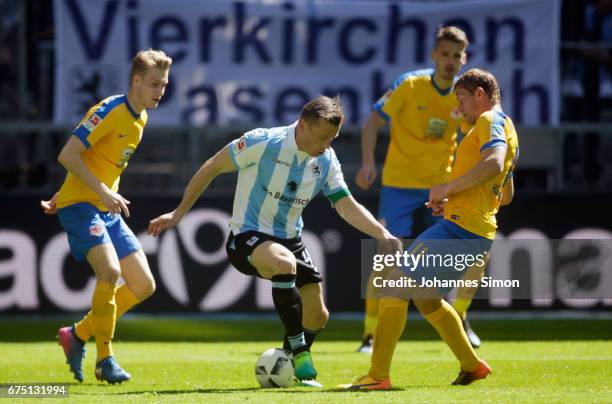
(162, 222)
(366, 175)
(115, 203)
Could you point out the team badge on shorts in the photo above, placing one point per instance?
(252, 241)
(96, 230)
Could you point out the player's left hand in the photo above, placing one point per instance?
(438, 193)
(162, 222)
(50, 206)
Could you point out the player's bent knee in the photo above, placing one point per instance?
(427, 306)
(108, 274)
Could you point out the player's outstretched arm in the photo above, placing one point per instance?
(218, 164)
(369, 133)
(360, 218)
(70, 158)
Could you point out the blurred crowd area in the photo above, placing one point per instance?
(586, 90)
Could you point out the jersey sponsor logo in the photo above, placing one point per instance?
(291, 200)
(239, 146)
(96, 230)
(435, 128)
(126, 154)
(422, 107)
(251, 242)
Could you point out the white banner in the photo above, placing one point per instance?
(257, 62)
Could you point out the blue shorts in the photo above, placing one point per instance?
(87, 227)
(398, 206)
(446, 238)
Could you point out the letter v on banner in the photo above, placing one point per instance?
(93, 45)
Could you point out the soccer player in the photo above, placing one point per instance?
(89, 208)
(480, 182)
(280, 170)
(422, 112)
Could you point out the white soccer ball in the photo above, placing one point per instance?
(274, 368)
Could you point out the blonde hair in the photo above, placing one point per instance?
(474, 78)
(148, 59)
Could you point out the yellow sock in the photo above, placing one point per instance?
(461, 306)
(392, 317)
(448, 324)
(104, 313)
(465, 294)
(125, 300)
(371, 316)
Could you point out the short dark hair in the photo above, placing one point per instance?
(452, 34)
(474, 78)
(322, 107)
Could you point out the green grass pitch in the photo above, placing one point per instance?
(206, 360)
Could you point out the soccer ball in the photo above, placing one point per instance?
(274, 368)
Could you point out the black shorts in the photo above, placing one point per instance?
(241, 246)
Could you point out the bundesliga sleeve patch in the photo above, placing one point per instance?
(91, 123)
(239, 146)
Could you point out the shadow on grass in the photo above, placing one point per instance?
(173, 329)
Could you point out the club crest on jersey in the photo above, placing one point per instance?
(96, 230)
(316, 170)
(239, 146)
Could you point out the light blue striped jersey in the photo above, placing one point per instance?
(276, 181)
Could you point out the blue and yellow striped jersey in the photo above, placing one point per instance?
(110, 131)
(424, 120)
